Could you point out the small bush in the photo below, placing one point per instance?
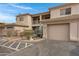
(27, 34)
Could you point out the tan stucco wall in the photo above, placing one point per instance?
(74, 31)
(78, 30)
(45, 31)
(56, 12)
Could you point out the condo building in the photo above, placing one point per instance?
(63, 23)
(59, 23)
(33, 22)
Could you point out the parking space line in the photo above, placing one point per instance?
(12, 43)
(6, 43)
(2, 42)
(18, 45)
(25, 44)
(10, 48)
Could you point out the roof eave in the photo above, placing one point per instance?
(61, 5)
(70, 17)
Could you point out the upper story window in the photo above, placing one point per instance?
(65, 11)
(68, 11)
(21, 18)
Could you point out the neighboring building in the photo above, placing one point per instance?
(1, 28)
(14, 29)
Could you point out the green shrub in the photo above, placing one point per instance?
(27, 34)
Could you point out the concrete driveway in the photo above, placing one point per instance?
(50, 48)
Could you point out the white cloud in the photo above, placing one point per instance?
(5, 16)
(10, 11)
(20, 7)
(24, 8)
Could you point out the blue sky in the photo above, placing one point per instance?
(9, 11)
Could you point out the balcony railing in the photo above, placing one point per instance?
(36, 22)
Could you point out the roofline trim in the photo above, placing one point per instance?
(61, 5)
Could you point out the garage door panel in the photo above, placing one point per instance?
(58, 32)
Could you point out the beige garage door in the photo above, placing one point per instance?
(58, 32)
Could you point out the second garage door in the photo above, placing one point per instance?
(58, 32)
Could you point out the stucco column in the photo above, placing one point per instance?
(29, 21)
(45, 31)
(78, 30)
(73, 31)
(40, 17)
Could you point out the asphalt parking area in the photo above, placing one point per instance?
(50, 48)
(10, 46)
